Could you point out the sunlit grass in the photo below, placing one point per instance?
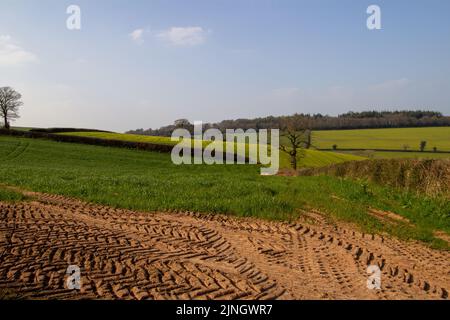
(313, 158)
(394, 139)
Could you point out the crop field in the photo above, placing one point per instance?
(312, 158)
(144, 228)
(224, 150)
(21, 128)
(128, 254)
(394, 139)
(123, 137)
(316, 158)
(142, 180)
(410, 155)
(370, 154)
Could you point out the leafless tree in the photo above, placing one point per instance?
(299, 138)
(9, 105)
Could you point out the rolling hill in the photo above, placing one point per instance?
(149, 181)
(313, 158)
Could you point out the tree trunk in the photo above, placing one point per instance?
(6, 124)
(294, 160)
(308, 139)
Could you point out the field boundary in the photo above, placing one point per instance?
(383, 150)
(145, 146)
(88, 140)
(430, 177)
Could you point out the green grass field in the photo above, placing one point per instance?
(9, 195)
(143, 180)
(123, 137)
(393, 139)
(316, 158)
(21, 128)
(365, 139)
(313, 158)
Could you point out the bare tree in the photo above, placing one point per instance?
(298, 136)
(9, 105)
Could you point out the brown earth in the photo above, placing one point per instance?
(137, 255)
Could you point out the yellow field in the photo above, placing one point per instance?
(313, 158)
(392, 139)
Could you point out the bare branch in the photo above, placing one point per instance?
(9, 105)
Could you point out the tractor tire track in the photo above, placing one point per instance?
(125, 254)
(17, 151)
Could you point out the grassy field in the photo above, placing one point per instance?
(316, 158)
(9, 195)
(21, 128)
(364, 139)
(397, 154)
(313, 158)
(149, 181)
(394, 139)
(410, 155)
(123, 137)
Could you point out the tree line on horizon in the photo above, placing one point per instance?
(349, 120)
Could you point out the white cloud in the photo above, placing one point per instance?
(137, 36)
(12, 54)
(184, 36)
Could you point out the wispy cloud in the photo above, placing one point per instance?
(184, 36)
(137, 36)
(11, 54)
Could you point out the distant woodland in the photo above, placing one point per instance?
(349, 120)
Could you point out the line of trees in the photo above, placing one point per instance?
(296, 129)
(349, 120)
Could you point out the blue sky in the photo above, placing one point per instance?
(140, 64)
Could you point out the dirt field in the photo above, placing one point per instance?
(132, 255)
